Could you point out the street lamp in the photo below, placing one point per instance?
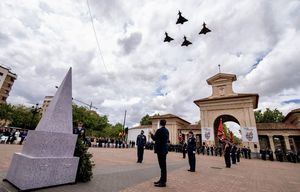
(34, 110)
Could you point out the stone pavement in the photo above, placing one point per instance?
(117, 170)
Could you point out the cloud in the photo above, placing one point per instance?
(257, 41)
(4, 39)
(130, 44)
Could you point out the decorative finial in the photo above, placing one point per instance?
(219, 68)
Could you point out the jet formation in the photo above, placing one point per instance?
(181, 20)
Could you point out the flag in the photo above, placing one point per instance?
(231, 137)
(221, 135)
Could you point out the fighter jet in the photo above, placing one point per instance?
(181, 19)
(204, 29)
(168, 38)
(185, 42)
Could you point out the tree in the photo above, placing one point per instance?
(5, 113)
(268, 116)
(226, 129)
(19, 116)
(92, 120)
(146, 120)
(112, 130)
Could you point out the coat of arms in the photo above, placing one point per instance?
(249, 135)
(207, 134)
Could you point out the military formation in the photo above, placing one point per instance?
(180, 21)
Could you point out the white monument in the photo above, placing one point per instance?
(47, 156)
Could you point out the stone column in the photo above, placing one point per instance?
(287, 142)
(271, 141)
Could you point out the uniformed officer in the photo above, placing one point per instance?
(249, 152)
(191, 149)
(227, 155)
(238, 154)
(184, 150)
(207, 150)
(140, 142)
(233, 154)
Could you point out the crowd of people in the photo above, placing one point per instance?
(18, 136)
(106, 142)
(280, 155)
(12, 136)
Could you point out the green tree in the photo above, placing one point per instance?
(268, 116)
(112, 130)
(92, 121)
(23, 117)
(146, 120)
(19, 116)
(236, 140)
(6, 111)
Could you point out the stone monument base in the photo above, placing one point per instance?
(27, 172)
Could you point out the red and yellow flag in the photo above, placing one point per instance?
(221, 135)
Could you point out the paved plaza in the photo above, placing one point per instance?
(117, 170)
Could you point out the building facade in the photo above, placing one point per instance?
(135, 131)
(7, 79)
(284, 135)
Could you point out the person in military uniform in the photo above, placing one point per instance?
(203, 148)
(227, 150)
(245, 152)
(212, 150)
(264, 153)
(220, 151)
(191, 149)
(184, 150)
(207, 150)
(238, 154)
(161, 138)
(249, 152)
(271, 158)
(140, 142)
(233, 154)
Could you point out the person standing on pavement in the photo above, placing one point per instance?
(227, 150)
(184, 150)
(191, 149)
(161, 138)
(233, 154)
(238, 154)
(249, 153)
(140, 142)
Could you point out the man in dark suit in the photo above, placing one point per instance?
(161, 138)
(191, 149)
(238, 154)
(249, 152)
(140, 142)
(184, 150)
(227, 150)
(233, 154)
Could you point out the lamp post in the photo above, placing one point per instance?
(34, 110)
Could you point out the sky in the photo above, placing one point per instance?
(135, 70)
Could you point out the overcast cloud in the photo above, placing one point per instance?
(259, 41)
